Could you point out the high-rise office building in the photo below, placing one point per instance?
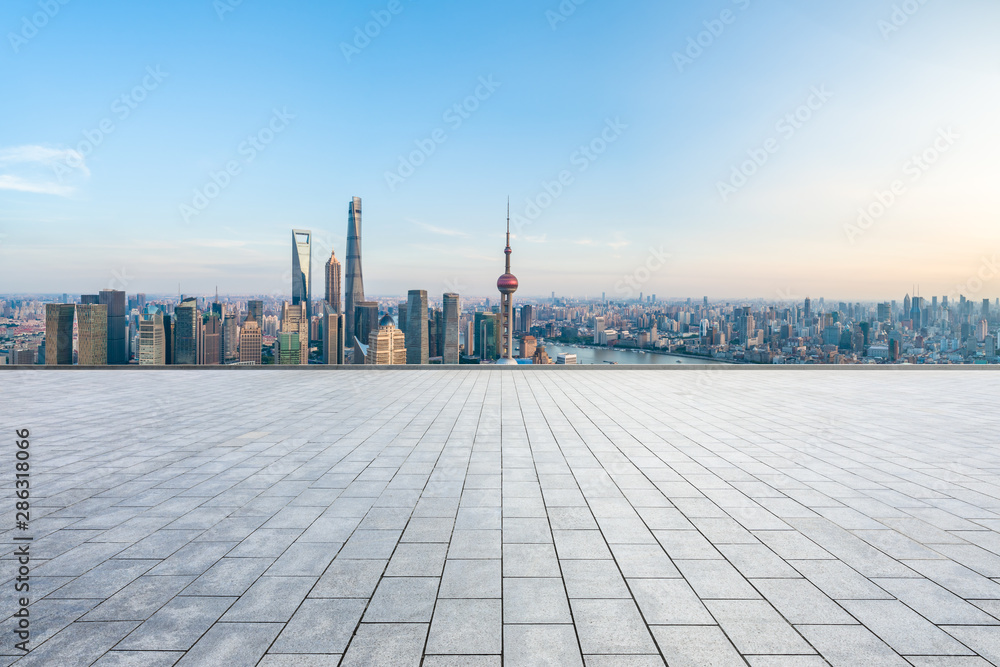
(187, 330)
(487, 336)
(527, 318)
(210, 351)
(333, 282)
(365, 319)
(117, 325)
(92, 324)
(168, 339)
(250, 342)
(417, 351)
(470, 337)
(598, 329)
(386, 344)
(354, 287)
(302, 271)
(435, 329)
(287, 348)
(332, 325)
(90, 299)
(230, 337)
(152, 340)
(293, 321)
(507, 285)
(59, 333)
(450, 315)
(255, 311)
(401, 320)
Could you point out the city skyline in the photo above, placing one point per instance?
(848, 157)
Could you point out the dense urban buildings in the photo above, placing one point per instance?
(112, 327)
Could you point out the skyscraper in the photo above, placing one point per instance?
(333, 335)
(365, 319)
(59, 333)
(152, 340)
(255, 311)
(287, 349)
(487, 339)
(507, 284)
(117, 326)
(293, 321)
(210, 351)
(230, 338)
(416, 327)
(187, 323)
(527, 318)
(386, 344)
(333, 283)
(302, 270)
(354, 288)
(92, 323)
(450, 337)
(250, 342)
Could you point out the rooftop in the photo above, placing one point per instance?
(511, 516)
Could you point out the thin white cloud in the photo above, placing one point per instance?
(585, 242)
(9, 182)
(41, 169)
(534, 239)
(437, 230)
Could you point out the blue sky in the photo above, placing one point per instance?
(171, 94)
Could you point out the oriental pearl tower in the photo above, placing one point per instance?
(507, 284)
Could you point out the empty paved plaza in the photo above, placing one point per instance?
(445, 517)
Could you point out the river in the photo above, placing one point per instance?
(593, 355)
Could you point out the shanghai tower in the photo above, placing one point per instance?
(354, 287)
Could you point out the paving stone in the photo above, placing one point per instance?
(694, 646)
(320, 626)
(386, 645)
(541, 645)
